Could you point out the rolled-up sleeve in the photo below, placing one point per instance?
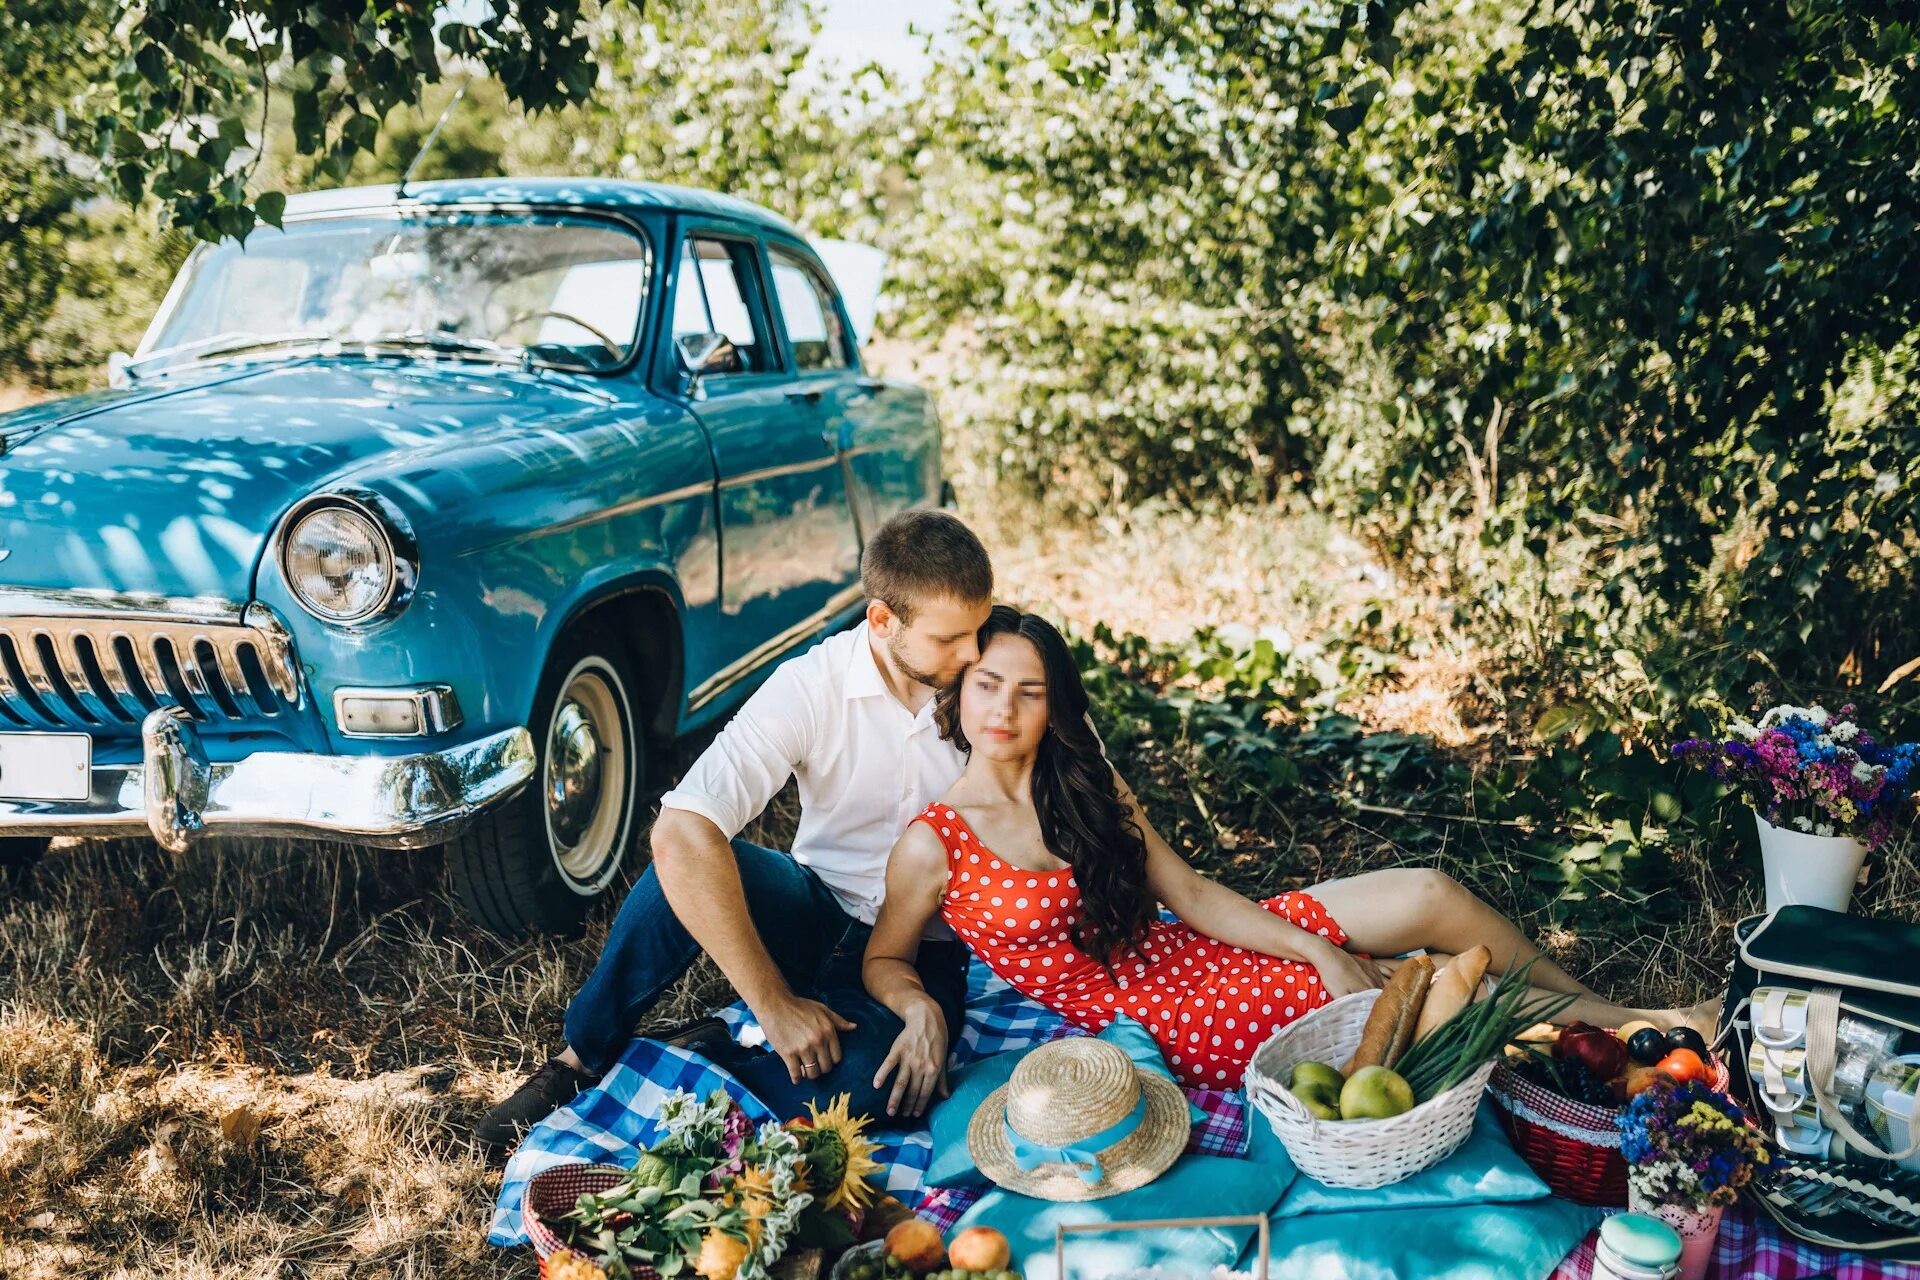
(752, 758)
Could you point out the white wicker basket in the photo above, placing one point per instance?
(1354, 1153)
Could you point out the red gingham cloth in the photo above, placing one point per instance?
(1752, 1246)
(1221, 1132)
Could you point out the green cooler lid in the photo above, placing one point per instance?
(1643, 1241)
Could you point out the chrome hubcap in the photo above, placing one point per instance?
(583, 778)
(573, 777)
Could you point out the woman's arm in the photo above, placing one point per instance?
(916, 877)
(1217, 911)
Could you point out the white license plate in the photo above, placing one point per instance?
(46, 766)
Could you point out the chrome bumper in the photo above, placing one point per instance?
(176, 795)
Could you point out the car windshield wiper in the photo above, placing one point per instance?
(227, 344)
(450, 342)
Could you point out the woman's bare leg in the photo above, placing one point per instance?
(1404, 909)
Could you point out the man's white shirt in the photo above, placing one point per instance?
(865, 764)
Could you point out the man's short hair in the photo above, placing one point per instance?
(918, 556)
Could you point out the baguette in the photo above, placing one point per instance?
(1453, 989)
(1396, 1013)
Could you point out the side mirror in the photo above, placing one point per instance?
(703, 353)
(117, 375)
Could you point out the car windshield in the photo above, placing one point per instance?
(551, 289)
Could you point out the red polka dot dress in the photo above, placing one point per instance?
(1208, 1004)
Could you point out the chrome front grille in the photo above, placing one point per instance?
(99, 662)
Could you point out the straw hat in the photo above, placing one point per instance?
(1078, 1121)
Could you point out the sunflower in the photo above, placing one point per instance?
(753, 1192)
(568, 1265)
(720, 1256)
(839, 1154)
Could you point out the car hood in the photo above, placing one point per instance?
(173, 487)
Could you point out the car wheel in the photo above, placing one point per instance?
(536, 862)
(18, 854)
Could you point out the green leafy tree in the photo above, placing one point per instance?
(183, 114)
(48, 51)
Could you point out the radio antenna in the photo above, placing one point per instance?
(427, 146)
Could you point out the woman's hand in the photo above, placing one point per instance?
(1342, 973)
(917, 1061)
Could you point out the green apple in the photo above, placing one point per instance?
(1317, 1085)
(1315, 1075)
(1375, 1093)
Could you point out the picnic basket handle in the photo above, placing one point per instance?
(1823, 1034)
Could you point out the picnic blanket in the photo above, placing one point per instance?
(1753, 1247)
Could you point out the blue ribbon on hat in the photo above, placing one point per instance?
(1084, 1153)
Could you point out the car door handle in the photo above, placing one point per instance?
(810, 395)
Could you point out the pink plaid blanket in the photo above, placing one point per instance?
(1753, 1247)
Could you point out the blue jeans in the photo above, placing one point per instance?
(815, 944)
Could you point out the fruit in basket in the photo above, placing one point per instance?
(1317, 1085)
(1540, 1036)
(1648, 1046)
(1375, 1093)
(1640, 1079)
(1626, 1031)
(1687, 1038)
(1315, 1075)
(916, 1242)
(1594, 1048)
(979, 1249)
(1685, 1066)
(1569, 1079)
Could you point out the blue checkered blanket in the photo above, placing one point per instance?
(613, 1122)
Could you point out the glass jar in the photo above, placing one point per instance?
(1634, 1246)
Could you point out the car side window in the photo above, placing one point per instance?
(807, 309)
(714, 294)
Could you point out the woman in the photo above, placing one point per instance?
(1043, 864)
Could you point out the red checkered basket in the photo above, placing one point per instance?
(552, 1193)
(1574, 1146)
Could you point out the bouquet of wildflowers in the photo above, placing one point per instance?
(721, 1199)
(1687, 1145)
(1816, 772)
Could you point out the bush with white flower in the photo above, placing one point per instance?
(1814, 771)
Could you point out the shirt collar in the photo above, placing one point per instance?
(865, 681)
(863, 673)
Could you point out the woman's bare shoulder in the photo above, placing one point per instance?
(920, 844)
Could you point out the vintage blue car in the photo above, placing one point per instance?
(429, 496)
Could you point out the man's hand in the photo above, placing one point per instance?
(917, 1061)
(806, 1035)
(1342, 973)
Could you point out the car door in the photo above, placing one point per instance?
(789, 550)
(887, 441)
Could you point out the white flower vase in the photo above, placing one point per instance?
(1698, 1230)
(1808, 870)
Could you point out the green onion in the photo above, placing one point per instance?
(1459, 1046)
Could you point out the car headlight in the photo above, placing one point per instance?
(345, 561)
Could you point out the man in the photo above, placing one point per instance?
(852, 719)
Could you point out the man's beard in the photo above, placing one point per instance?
(897, 651)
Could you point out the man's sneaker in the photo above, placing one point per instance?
(553, 1086)
(709, 1037)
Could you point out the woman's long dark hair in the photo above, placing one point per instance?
(1082, 819)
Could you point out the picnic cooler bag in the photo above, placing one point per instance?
(1821, 1032)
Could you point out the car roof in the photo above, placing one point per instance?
(577, 193)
